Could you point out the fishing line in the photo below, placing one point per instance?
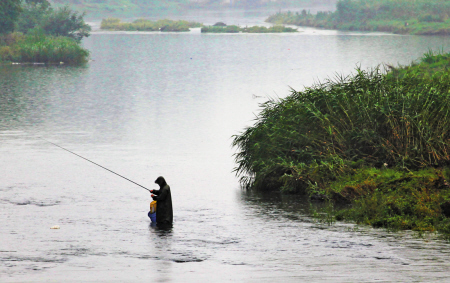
(95, 163)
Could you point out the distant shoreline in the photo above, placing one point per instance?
(422, 17)
(144, 25)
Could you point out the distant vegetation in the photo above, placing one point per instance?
(254, 29)
(379, 141)
(426, 17)
(96, 8)
(37, 33)
(178, 26)
(244, 4)
(147, 25)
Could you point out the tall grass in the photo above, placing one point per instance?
(378, 140)
(312, 137)
(38, 48)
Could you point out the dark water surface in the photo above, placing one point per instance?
(153, 104)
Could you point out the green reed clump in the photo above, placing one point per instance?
(426, 17)
(39, 48)
(148, 25)
(314, 136)
(378, 141)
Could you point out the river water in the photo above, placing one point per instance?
(151, 104)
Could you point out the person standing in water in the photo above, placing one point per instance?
(164, 213)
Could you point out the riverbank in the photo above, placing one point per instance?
(40, 48)
(376, 140)
(421, 17)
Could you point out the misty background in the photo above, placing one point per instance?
(129, 8)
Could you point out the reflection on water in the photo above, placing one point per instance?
(167, 104)
(161, 229)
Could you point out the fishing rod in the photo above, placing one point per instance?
(95, 163)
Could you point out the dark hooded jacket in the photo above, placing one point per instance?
(164, 213)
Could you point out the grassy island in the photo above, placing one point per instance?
(424, 17)
(34, 32)
(147, 25)
(254, 29)
(115, 24)
(376, 140)
(19, 48)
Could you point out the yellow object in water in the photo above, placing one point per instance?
(153, 206)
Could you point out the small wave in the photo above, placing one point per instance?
(187, 260)
(32, 202)
(224, 242)
(234, 263)
(74, 252)
(177, 258)
(21, 203)
(32, 259)
(381, 257)
(46, 204)
(5, 189)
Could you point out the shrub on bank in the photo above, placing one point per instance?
(43, 34)
(396, 199)
(369, 117)
(53, 22)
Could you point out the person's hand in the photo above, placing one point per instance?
(153, 195)
(151, 191)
